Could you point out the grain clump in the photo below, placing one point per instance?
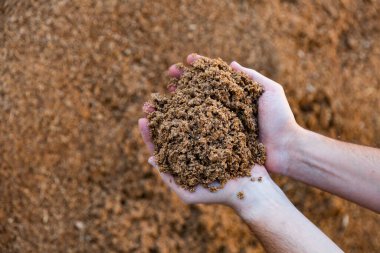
(207, 130)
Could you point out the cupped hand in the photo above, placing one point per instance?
(248, 186)
(258, 189)
(277, 125)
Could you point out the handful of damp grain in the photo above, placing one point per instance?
(207, 130)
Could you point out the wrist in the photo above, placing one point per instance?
(261, 201)
(295, 139)
(269, 215)
(301, 139)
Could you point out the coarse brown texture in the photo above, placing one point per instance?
(73, 77)
(240, 195)
(207, 131)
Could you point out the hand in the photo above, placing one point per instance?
(255, 192)
(260, 194)
(278, 225)
(268, 212)
(277, 125)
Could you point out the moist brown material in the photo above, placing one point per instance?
(240, 195)
(207, 130)
(72, 87)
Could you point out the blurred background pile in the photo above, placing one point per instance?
(74, 74)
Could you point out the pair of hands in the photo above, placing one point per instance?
(277, 128)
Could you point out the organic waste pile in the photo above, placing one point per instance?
(74, 75)
(207, 130)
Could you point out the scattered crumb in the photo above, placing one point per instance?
(260, 179)
(240, 195)
(213, 188)
(253, 179)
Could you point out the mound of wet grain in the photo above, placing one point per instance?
(207, 130)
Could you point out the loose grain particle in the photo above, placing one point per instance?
(240, 195)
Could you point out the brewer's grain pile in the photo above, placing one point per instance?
(207, 130)
(73, 77)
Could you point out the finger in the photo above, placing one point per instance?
(191, 58)
(200, 195)
(205, 196)
(148, 108)
(152, 162)
(256, 76)
(169, 180)
(174, 71)
(145, 134)
(172, 87)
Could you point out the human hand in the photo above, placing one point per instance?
(271, 216)
(277, 125)
(259, 191)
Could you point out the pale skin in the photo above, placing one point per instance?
(347, 170)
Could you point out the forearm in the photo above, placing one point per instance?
(282, 228)
(275, 221)
(347, 170)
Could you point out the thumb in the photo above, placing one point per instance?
(267, 83)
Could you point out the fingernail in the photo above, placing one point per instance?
(148, 108)
(172, 87)
(152, 162)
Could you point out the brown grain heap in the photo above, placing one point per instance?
(207, 130)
